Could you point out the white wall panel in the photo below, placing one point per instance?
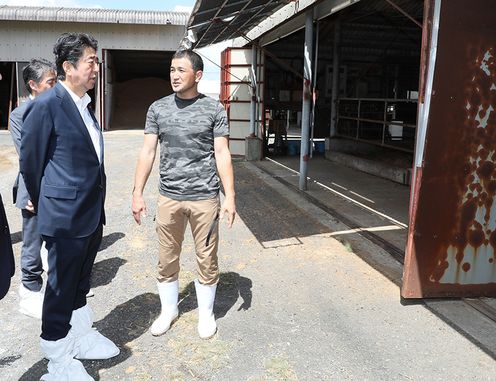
(240, 56)
(241, 92)
(23, 40)
(239, 130)
(237, 91)
(239, 73)
(239, 111)
(237, 147)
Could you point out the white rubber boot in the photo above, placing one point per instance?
(168, 293)
(30, 302)
(62, 366)
(205, 296)
(89, 343)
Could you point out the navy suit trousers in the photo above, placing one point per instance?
(70, 261)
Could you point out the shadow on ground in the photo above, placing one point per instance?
(123, 324)
(231, 287)
(6, 361)
(110, 239)
(16, 237)
(132, 319)
(105, 270)
(268, 214)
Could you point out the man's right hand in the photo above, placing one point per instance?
(30, 207)
(139, 208)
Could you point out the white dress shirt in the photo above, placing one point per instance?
(82, 106)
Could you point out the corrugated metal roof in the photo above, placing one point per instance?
(213, 21)
(217, 20)
(92, 15)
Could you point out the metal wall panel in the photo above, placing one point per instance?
(239, 111)
(452, 236)
(239, 73)
(92, 15)
(242, 91)
(240, 56)
(236, 95)
(23, 40)
(237, 147)
(237, 129)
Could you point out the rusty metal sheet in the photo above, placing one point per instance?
(452, 235)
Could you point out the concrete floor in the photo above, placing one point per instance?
(375, 212)
(302, 295)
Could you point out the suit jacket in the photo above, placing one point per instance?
(7, 265)
(60, 166)
(19, 192)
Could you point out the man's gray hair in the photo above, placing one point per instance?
(35, 71)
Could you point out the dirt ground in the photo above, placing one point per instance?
(293, 303)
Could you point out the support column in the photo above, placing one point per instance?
(259, 109)
(253, 144)
(314, 86)
(335, 79)
(253, 105)
(307, 100)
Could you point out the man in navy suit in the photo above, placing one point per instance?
(39, 75)
(61, 161)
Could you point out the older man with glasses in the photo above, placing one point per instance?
(39, 75)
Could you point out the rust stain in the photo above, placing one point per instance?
(452, 237)
(474, 238)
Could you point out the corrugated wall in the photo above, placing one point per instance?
(23, 40)
(452, 237)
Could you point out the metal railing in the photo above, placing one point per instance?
(385, 122)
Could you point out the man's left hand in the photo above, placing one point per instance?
(228, 207)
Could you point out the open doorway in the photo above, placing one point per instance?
(133, 81)
(8, 92)
(378, 56)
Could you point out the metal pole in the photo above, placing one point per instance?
(384, 121)
(307, 99)
(358, 121)
(335, 79)
(258, 105)
(396, 80)
(253, 109)
(314, 87)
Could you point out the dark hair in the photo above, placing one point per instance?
(70, 47)
(35, 70)
(193, 57)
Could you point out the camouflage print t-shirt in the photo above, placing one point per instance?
(186, 130)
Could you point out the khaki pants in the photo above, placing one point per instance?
(172, 218)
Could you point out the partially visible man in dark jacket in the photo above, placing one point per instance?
(7, 264)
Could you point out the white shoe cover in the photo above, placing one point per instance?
(44, 257)
(168, 293)
(89, 343)
(62, 366)
(30, 302)
(205, 295)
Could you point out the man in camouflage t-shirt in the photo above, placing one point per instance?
(193, 133)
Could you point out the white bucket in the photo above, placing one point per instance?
(396, 130)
